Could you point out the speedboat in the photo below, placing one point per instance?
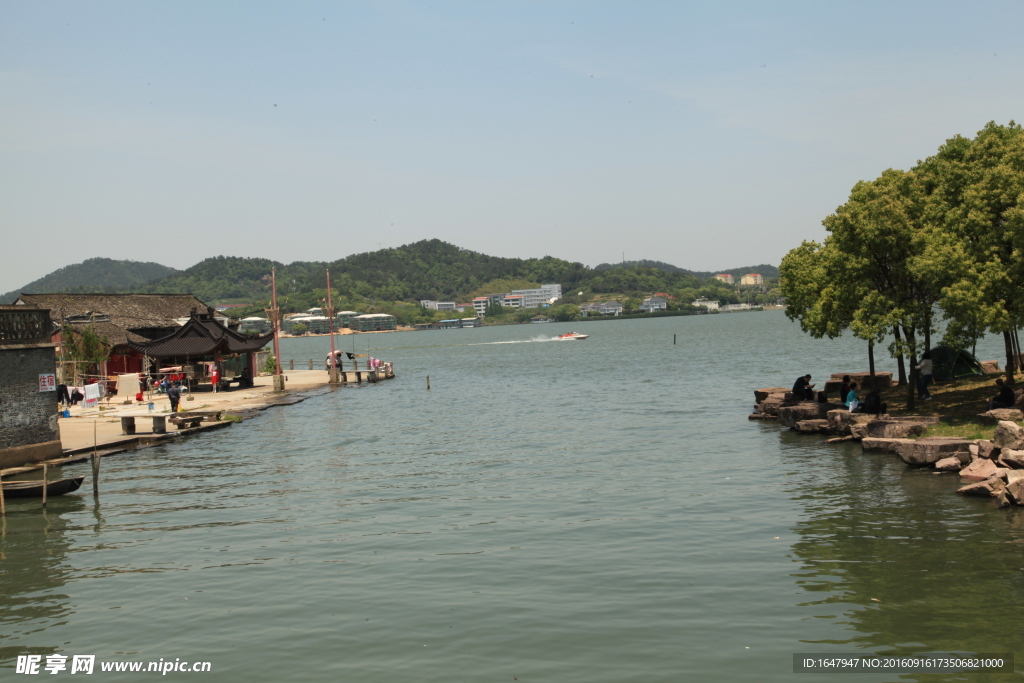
(571, 335)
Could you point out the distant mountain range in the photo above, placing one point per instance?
(429, 269)
(765, 270)
(94, 275)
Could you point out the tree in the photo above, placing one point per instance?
(85, 348)
(299, 328)
(977, 196)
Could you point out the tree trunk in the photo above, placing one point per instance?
(912, 383)
(1010, 365)
(871, 364)
(928, 334)
(899, 359)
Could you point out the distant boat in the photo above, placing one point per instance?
(569, 336)
(34, 489)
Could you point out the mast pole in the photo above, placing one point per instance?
(276, 323)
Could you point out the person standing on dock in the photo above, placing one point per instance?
(174, 393)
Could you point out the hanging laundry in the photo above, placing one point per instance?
(92, 396)
(128, 385)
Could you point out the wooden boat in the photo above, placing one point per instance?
(34, 489)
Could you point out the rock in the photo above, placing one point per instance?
(979, 470)
(761, 416)
(841, 420)
(840, 439)
(997, 415)
(990, 488)
(1010, 476)
(930, 449)
(949, 465)
(893, 429)
(1015, 491)
(871, 444)
(790, 415)
(762, 394)
(771, 405)
(988, 450)
(989, 366)
(1013, 459)
(1009, 435)
(1002, 499)
(812, 426)
(922, 419)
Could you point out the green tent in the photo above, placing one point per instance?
(948, 363)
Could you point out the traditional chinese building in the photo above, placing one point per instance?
(203, 339)
(122, 319)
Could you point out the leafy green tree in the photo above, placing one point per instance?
(977, 196)
(299, 329)
(87, 349)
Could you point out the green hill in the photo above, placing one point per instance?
(94, 275)
(429, 269)
(769, 272)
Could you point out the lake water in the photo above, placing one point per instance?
(551, 511)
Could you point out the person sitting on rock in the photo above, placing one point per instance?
(852, 400)
(803, 390)
(1005, 398)
(844, 388)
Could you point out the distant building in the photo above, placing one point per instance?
(652, 304)
(438, 305)
(540, 319)
(471, 322)
(602, 308)
(463, 307)
(372, 322)
(452, 324)
(480, 305)
(535, 298)
(705, 303)
(513, 301)
(255, 324)
(726, 278)
(343, 318)
(751, 279)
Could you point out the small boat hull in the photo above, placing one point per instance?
(34, 489)
(572, 336)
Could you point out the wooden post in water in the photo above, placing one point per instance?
(3, 507)
(673, 340)
(95, 465)
(310, 363)
(44, 484)
(428, 382)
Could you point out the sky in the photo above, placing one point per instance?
(709, 135)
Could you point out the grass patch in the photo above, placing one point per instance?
(229, 417)
(957, 402)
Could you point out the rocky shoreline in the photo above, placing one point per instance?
(992, 468)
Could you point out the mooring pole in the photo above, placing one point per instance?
(332, 374)
(428, 382)
(44, 484)
(673, 339)
(3, 507)
(278, 379)
(95, 465)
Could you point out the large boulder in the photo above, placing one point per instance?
(771, 405)
(1009, 435)
(762, 394)
(840, 420)
(990, 488)
(889, 429)
(812, 426)
(989, 366)
(930, 449)
(1015, 491)
(979, 470)
(997, 415)
(761, 416)
(790, 415)
(874, 445)
(1012, 459)
(949, 465)
(988, 450)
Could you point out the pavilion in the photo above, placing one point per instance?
(201, 342)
